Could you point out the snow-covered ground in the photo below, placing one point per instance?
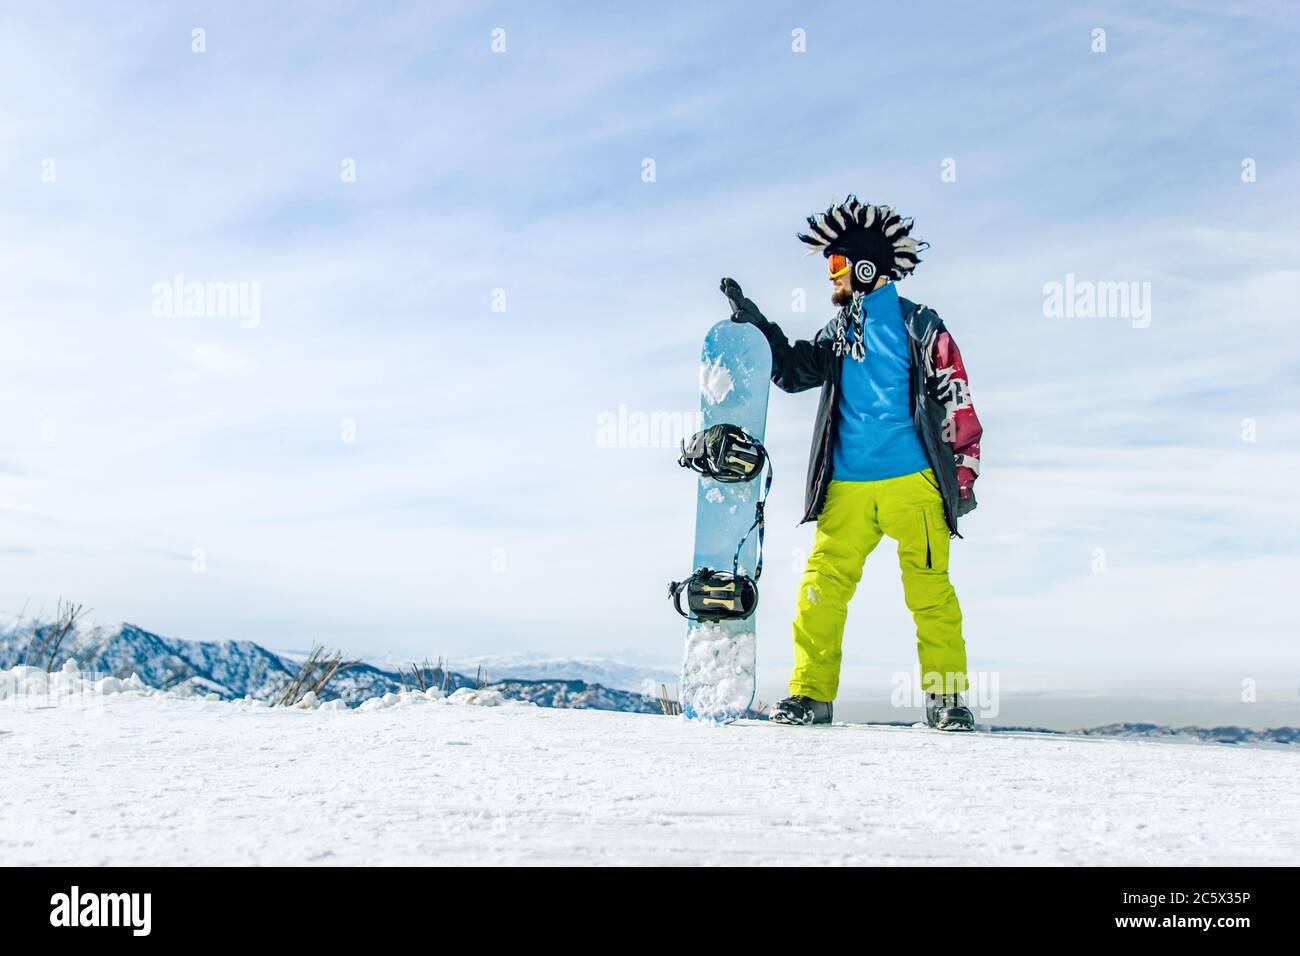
(134, 777)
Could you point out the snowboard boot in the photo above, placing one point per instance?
(798, 710)
(948, 712)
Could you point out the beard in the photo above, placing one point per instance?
(841, 297)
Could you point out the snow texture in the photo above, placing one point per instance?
(114, 773)
(716, 382)
(718, 671)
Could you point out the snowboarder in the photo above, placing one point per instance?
(895, 452)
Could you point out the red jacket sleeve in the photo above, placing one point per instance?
(961, 427)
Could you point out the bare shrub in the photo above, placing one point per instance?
(43, 649)
(320, 667)
(669, 703)
(424, 676)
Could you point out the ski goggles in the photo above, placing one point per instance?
(839, 266)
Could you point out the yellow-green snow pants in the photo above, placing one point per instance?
(855, 515)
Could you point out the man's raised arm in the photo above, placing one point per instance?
(796, 367)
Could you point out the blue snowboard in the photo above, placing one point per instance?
(718, 669)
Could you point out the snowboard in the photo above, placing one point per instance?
(718, 668)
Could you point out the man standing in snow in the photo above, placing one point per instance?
(895, 452)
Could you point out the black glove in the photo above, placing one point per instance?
(742, 309)
(965, 502)
(965, 490)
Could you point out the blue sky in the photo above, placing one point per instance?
(476, 506)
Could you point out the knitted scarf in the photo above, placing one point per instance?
(857, 349)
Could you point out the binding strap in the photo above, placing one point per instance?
(760, 523)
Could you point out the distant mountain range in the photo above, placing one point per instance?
(530, 665)
(236, 669)
(1218, 735)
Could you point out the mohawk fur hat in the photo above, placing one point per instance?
(874, 238)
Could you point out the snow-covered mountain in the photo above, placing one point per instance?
(228, 668)
(576, 694)
(236, 669)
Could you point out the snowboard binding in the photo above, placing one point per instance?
(725, 453)
(714, 596)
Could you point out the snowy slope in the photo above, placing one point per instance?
(133, 778)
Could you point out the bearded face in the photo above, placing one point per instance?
(841, 296)
(843, 287)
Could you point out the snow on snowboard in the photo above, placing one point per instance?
(718, 669)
